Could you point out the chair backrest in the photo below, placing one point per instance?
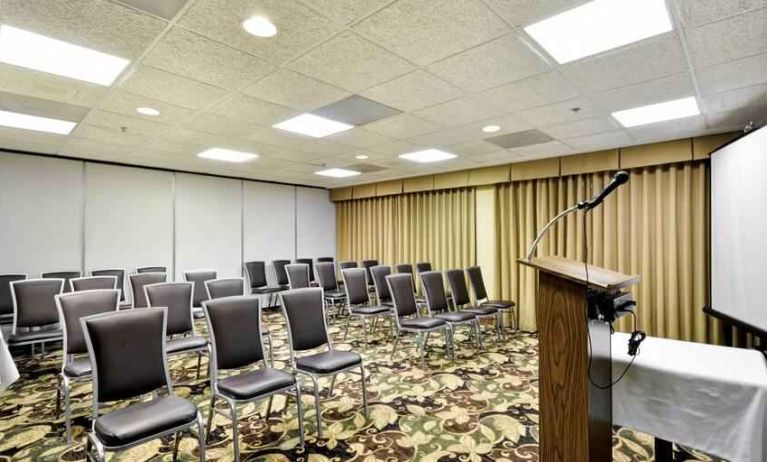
(348, 264)
(422, 267)
(33, 302)
(280, 272)
(6, 300)
(137, 283)
(458, 289)
(93, 283)
(65, 275)
(118, 273)
(476, 281)
(127, 352)
(177, 297)
(76, 305)
(404, 268)
(152, 269)
(228, 287)
(298, 275)
(401, 289)
(310, 262)
(305, 314)
(198, 277)
(356, 286)
(434, 290)
(256, 273)
(379, 281)
(234, 326)
(367, 264)
(326, 275)
(325, 260)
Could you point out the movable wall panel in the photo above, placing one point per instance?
(269, 214)
(208, 225)
(41, 214)
(128, 219)
(315, 223)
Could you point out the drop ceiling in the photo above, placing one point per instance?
(444, 69)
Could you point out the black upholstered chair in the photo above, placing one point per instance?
(438, 305)
(35, 318)
(358, 300)
(408, 318)
(127, 351)
(379, 273)
(119, 273)
(408, 268)
(298, 275)
(480, 295)
(326, 279)
(280, 273)
(137, 283)
(93, 283)
(227, 287)
(198, 277)
(423, 267)
(256, 276)
(310, 262)
(348, 264)
(6, 300)
(177, 297)
(65, 275)
(235, 329)
(76, 366)
(461, 300)
(367, 264)
(151, 269)
(404, 268)
(308, 330)
(326, 260)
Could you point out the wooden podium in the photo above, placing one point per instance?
(575, 416)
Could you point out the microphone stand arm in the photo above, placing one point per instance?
(562, 214)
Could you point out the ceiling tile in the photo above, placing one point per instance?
(346, 11)
(606, 140)
(277, 137)
(172, 88)
(79, 147)
(356, 110)
(698, 12)
(735, 74)
(47, 86)
(472, 148)
(425, 31)
(582, 127)
(543, 150)
(166, 9)
(538, 90)
(412, 91)
(728, 40)
(186, 53)
(498, 157)
(125, 124)
(109, 135)
(402, 126)
(218, 125)
(42, 107)
(520, 139)
(671, 129)
(458, 112)
(737, 119)
(500, 61)
(294, 90)
(350, 62)
(31, 141)
(526, 12)
(559, 112)
(126, 103)
(652, 91)
(749, 97)
(470, 132)
(251, 109)
(395, 148)
(359, 138)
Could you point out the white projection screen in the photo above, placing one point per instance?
(739, 229)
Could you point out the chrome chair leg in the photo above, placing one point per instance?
(201, 436)
(332, 384)
(317, 406)
(300, 410)
(67, 412)
(364, 390)
(199, 362)
(498, 324)
(176, 442)
(269, 408)
(235, 433)
(365, 330)
(394, 347)
(58, 395)
(346, 331)
(211, 411)
(477, 337)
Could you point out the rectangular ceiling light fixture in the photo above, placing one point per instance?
(598, 26)
(38, 52)
(337, 172)
(36, 123)
(669, 110)
(313, 125)
(227, 155)
(427, 155)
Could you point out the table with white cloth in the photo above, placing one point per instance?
(8, 371)
(707, 397)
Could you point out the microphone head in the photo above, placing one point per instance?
(621, 177)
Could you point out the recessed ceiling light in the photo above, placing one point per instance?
(669, 110)
(227, 155)
(260, 27)
(361, 157)
(337, 172)
(36, 123)
(491, 128)
(598, 26)
(38, 52)
(312, 125)
(149, 111)
(428, 155)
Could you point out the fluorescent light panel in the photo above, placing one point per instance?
(227, 155)
(36, 123)
(599, 26)
(260, 27)
(38, 52)
(313, 125)
(337, 172)
(669, 110)
(427, 155)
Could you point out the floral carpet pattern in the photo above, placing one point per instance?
(475, 408)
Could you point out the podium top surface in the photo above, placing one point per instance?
(575, 271)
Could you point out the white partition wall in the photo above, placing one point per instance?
(41, 214)
(315, 223)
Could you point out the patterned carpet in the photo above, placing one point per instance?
(476, 408)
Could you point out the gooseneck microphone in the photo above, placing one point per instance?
(618, 179)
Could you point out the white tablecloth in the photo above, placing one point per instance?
(706, 397)
(8, 371)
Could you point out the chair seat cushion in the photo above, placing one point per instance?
(180, 344)
(264, 290)
(335, 294)
(78, 368)
(370, 310)
(500, 304)
(328, 361)
(256, 383)
(452, 316)
(422, 323)
(142, 420)
(46, 334)
(483, 310)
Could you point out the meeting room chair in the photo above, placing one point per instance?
(482, 299)
(226, 287)
(408, 268)
(462, 301)
(326, 260)
(35, 317)
(118, 273)
(235, 330)
(298, 275)
(326, 279)
(198, 278)
(310, 263)
(137, 283)
(6, 300)
(308, 330)
(151, 269)
(422, 267)
(358, 300)
(281, 273)
(255, 272)
(367, 264)
(177, 297)
(128, 352)
(65, 275)
(408, 318)
(93, 283)
(438, 306)
(347, 264)
(75, 364)
(379, 273)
